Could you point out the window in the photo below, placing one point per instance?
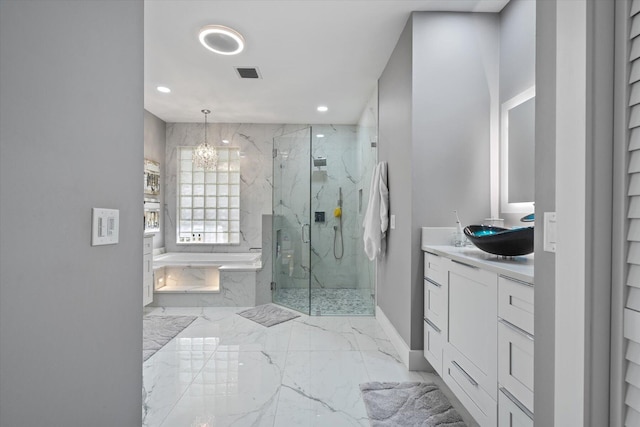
(209, 201)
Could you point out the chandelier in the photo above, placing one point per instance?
(205, 156)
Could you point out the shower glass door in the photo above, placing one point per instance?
(321, 180)
(291, 220)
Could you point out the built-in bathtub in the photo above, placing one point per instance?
(250, 261)
(206, 279)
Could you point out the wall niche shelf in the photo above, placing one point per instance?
(151, 218)
(151, 177)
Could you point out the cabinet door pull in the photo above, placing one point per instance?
(467, 376)
(515, 329)
(430, 323)
(433, 282)
(522, 282)
(516, 402)
(465, 264)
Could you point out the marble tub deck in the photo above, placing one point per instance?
(226, 370)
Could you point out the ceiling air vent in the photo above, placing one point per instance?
(248, 72)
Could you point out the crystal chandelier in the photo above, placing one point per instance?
(205, 156)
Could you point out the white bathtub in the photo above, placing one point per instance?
(185, 279)
(229, 261)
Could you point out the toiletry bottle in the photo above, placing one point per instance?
(459, 234)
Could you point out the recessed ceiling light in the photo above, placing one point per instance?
(163, 89)
(221, 39)
(225, 141)
(322, 108)
(319, 135)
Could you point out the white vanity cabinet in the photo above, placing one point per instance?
(147, 270)
(478, 331)
(436, 285)
(470, 354)
(515, 344)
(510, 413)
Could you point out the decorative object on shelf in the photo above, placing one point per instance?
(151, 177)
(151, 215)
(501, 241)
(205, 156)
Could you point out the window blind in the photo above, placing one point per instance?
(632, 310)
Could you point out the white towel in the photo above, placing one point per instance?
(376, 218)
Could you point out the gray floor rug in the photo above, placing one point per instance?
(159, 330)
(408, 404)
(268, 314)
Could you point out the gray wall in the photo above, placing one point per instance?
(155, 134)
(436, 97)
(517, 58)
(517, 48)
(70, 139)
(545, 196)
(394, 147)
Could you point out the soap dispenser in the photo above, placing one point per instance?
(459, 238)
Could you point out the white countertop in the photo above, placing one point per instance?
(519, 268)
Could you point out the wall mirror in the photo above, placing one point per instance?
(517, 153)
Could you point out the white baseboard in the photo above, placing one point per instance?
(413, 359)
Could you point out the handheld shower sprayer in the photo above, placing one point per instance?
(337, 213)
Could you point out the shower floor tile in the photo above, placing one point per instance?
(327, 302)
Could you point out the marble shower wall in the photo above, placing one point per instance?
(339, 148)
(255, 142)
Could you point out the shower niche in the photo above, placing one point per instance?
(319, 266)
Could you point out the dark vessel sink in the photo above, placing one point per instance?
(501, 241)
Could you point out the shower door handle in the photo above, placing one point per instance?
(302, 232)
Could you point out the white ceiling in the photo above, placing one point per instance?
(309, 52)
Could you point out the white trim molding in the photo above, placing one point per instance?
(413, 359)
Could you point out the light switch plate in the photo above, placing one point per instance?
(105, 224)
(393, 222)
(550, 231)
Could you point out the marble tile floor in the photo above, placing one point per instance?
(327, 301)
(225, 370)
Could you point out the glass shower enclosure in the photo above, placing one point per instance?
(320, 182)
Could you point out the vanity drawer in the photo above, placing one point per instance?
(515, 303)
(435, 303)
(147, 245)
(515, 362)
(435, 268)
(510, 412)
(472, 331)
(475, 398)
(433, 340)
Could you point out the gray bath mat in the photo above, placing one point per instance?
(268, 314)
(159, 330)
(408, 404)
